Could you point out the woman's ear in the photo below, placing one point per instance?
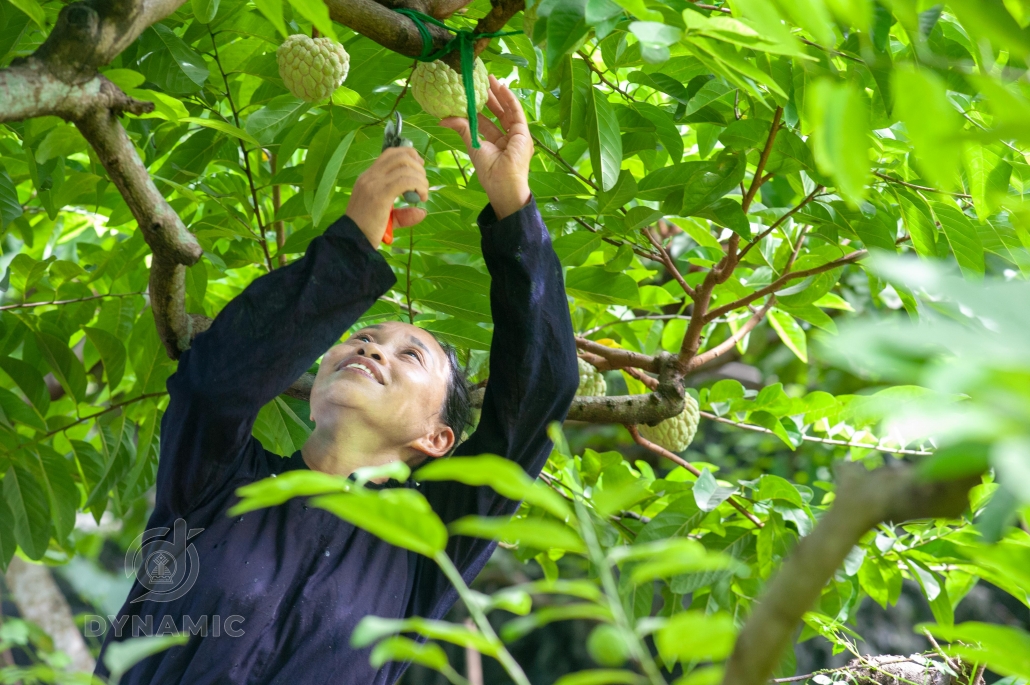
(436, 443)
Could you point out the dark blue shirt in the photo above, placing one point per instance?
(299, 577)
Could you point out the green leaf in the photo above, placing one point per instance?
(30, 509)
(33, 10)
(205, 10)
(317, 12)
(595, 284)
(708, 494)
(638, 8)
(536, 533)
(273, 11)
(30, 381)
(328, 181)
(921, 101)
(566, 30)
(10, 206)
(112, 353)
(513, 630)
(623, 191)
(398, 648)
(280, 112)
(790, 332)
(503, 475)
(399, 516)
(838, 116)
(991, 19)
(8, 545)
(65, 366)
(695, 635)
(373, 628)
(812, 16)
(774, 487)
(280, 430)
(720, 177)
(271, 492)
(459, 333)
(121, 656)
(224, 127)
(53, 474)
(605, 141)
(963, 238)
(919, 222)
(602, 677)
(172, 64)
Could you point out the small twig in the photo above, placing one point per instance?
(280, 229)
(756, 180)
(113, 407)
(670, 264)
(783, 280)
(913, 186)
(246, 157)
(593, 67)
(727, 345)
(836, 53)
(653, 317)
(812, 438)
(776, 224)
(569, 167)
(29, 305)
(464, 177)
(672, 456)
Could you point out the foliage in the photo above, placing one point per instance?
(711, 177)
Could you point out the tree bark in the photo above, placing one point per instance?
(864, 500)
(40, 601)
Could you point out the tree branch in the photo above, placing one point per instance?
(756, 180)
(864, 500)
(727, 345)
(376, 20)
(776, 224)
(174, 248)
(783, 280)
(619, 359)
(913, 186)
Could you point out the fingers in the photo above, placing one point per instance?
(398, 184)
(489, 130)
(507, 99)
(408, 216)
(393, 155)
(459, 125)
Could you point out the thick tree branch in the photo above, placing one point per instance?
(864, 500)
(378, 21)
(782, 281)
(174, 248)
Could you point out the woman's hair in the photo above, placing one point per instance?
(457, 407)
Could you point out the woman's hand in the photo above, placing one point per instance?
(397, 170)
(502, 161)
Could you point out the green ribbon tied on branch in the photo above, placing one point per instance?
(464, 41)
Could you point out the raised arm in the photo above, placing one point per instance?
(533, 373)
(272, 332)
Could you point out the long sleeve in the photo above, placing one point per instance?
(261, 342)
(533, 379)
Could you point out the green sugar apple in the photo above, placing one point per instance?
(591, 382)
(312, 68)
(676, 433)
(441, 91)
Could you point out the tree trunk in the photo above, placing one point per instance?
(40, 600)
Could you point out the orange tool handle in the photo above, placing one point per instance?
(388, 236)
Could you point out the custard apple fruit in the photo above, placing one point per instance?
(312, 68)
(676, 433)
(591, 382)
(441, 91)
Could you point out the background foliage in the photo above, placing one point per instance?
(783, 140)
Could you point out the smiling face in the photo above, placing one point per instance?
(391, 376)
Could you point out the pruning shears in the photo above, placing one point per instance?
(392, 138)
